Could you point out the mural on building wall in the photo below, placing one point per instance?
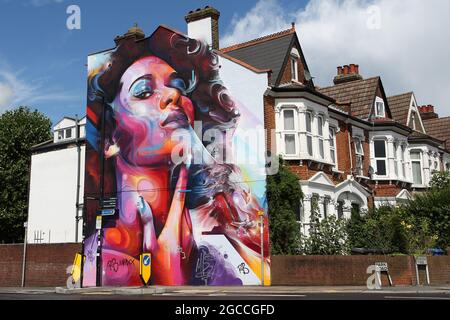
(197, 214)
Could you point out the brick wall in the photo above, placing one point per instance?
(269, 121)
(46, 264)
(351, 270)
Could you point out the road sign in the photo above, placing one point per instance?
(422, 262)
(382, 267)
(145, 269)
(108, 203)
(98, 223)
(107, 212)
(76, 268)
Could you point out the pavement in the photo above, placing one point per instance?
(239, 290)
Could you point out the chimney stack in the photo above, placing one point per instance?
(427, 112)
(203, 24)
(134, 32)
(347, 73)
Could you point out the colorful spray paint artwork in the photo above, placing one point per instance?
(150, 104)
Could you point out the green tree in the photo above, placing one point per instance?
(390, 229)
(434, 206)
(20, 129)
(327, 237)
(440, 180)
(284, 196)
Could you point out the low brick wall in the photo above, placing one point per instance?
(47, 264)
(351, 270)
(45, 267)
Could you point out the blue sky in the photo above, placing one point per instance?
(47, 61)
(42, 63)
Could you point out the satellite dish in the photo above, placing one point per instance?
(308, 76)
(371, 171)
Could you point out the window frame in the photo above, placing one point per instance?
(385, 158)
(320, 136)
(294, 68)
(359, 155)
(420, 160)
(60, 134)
(378, 101)
(332, 144)
(289, 132)
(309, 134)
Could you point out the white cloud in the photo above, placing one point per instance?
(409, 49)
(15, 90)
(41, 3)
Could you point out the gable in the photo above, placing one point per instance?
(64, 123)
(403, 107)
(268, 54)
(379, 93)
(414, 110)
(272, 52)
(404, 195)
(322, 179)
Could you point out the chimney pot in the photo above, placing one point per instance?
(339, 71)
(352, 68)
(346, 70)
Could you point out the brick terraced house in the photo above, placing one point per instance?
(351, 146)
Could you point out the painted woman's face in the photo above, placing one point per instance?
(150, 106)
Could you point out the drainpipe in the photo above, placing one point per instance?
(77, 203)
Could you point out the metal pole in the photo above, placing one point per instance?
(24, 253)
(77, 202)
(102, 194)
(262, 248)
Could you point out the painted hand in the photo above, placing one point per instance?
(175, 240)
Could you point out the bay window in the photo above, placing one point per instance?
(380, 157)
(416, 164)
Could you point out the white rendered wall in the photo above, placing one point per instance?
(53, 184)
(200, 30)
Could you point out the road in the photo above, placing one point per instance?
(387, 296)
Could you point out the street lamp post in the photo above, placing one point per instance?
(261, 217)
(25, 224)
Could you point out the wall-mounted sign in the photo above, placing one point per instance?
(422, 262)
(380, 268)
(108, 203)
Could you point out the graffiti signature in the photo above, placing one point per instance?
(243, 269)
(114, 264)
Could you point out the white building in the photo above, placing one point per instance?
(57, 172)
